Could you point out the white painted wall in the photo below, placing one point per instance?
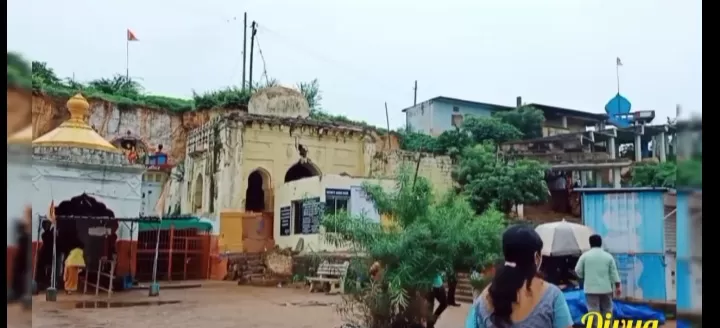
(315, 187)
(18, 195)
(119, 191)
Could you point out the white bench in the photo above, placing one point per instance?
(332, 274)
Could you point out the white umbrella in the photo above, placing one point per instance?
(564, 238)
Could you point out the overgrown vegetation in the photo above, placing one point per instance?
(490, 181)
(647, 174)
(670, 174)
(428, 237)
(126, 92)
(521, 123)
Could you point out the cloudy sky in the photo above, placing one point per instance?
(365, 53)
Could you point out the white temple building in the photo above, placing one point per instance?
(86, 181)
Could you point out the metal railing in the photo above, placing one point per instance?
(111, 276)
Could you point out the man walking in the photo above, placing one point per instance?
(599, 273)
(452, 286)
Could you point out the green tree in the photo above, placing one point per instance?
(648, 174)
(311, 91)
(487, 179)
(43, 74)
(119, 85)
(689, 172)
(527, 119)
(452, 142)
(493, 129)
(18, 70)
(428, 237)
(416, 141)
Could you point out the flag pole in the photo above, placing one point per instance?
(154, 286)
(617, 73)
(127, 57)
(159, 210)
(51, 293)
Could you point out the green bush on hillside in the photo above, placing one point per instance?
(126, 92)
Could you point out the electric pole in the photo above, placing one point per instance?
(253, 29)
(415, 94)
(244, 49)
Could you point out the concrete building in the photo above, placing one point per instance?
(440, 114)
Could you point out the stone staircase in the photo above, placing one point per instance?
(246, 267)
(463, 293)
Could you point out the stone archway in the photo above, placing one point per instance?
(259, 193)
(77, 227)
(197, 199)
(302, 170)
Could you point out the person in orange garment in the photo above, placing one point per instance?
(74, 263)
(376, 271)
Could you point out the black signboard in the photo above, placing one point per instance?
(312, 210)
(285, 218)
(337, 194)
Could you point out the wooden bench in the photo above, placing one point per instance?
(330, 274)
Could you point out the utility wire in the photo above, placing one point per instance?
(354, 72)
(262, 57)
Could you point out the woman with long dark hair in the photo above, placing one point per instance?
(517, 297)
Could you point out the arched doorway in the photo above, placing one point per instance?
(82, 222)
(301, 170)
(258, 196)
(197, 199)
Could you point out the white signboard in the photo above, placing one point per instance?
(360, 203)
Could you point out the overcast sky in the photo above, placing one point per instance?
(367, 52)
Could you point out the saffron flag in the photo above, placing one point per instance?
(131, 36)
(618, 61)
(51, 212)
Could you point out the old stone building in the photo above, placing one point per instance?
(235, 162)
(234, 158)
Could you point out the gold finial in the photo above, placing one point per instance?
(78, 108)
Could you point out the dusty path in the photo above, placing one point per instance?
(217, 306)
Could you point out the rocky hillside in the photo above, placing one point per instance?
(153, 126)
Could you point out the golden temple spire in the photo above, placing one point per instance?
(75, 132)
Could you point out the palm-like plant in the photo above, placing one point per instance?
(426, 238)
(119, 85)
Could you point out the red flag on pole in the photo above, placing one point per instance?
(131, 36)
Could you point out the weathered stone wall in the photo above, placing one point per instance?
(437, 169)
(153, 126)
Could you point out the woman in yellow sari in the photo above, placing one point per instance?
(74, 263)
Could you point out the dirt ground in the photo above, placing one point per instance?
(218, 305)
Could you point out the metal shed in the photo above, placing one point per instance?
(689, 250)
(631, 223)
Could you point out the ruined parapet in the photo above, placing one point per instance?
(436, 168)
(279, 101)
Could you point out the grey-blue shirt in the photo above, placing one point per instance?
(551, 311)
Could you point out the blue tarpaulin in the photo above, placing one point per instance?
(621, 310)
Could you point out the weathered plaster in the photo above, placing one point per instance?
(119, 190)
(18, 186)
(315, 187)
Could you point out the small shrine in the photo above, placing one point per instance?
(85, 184)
